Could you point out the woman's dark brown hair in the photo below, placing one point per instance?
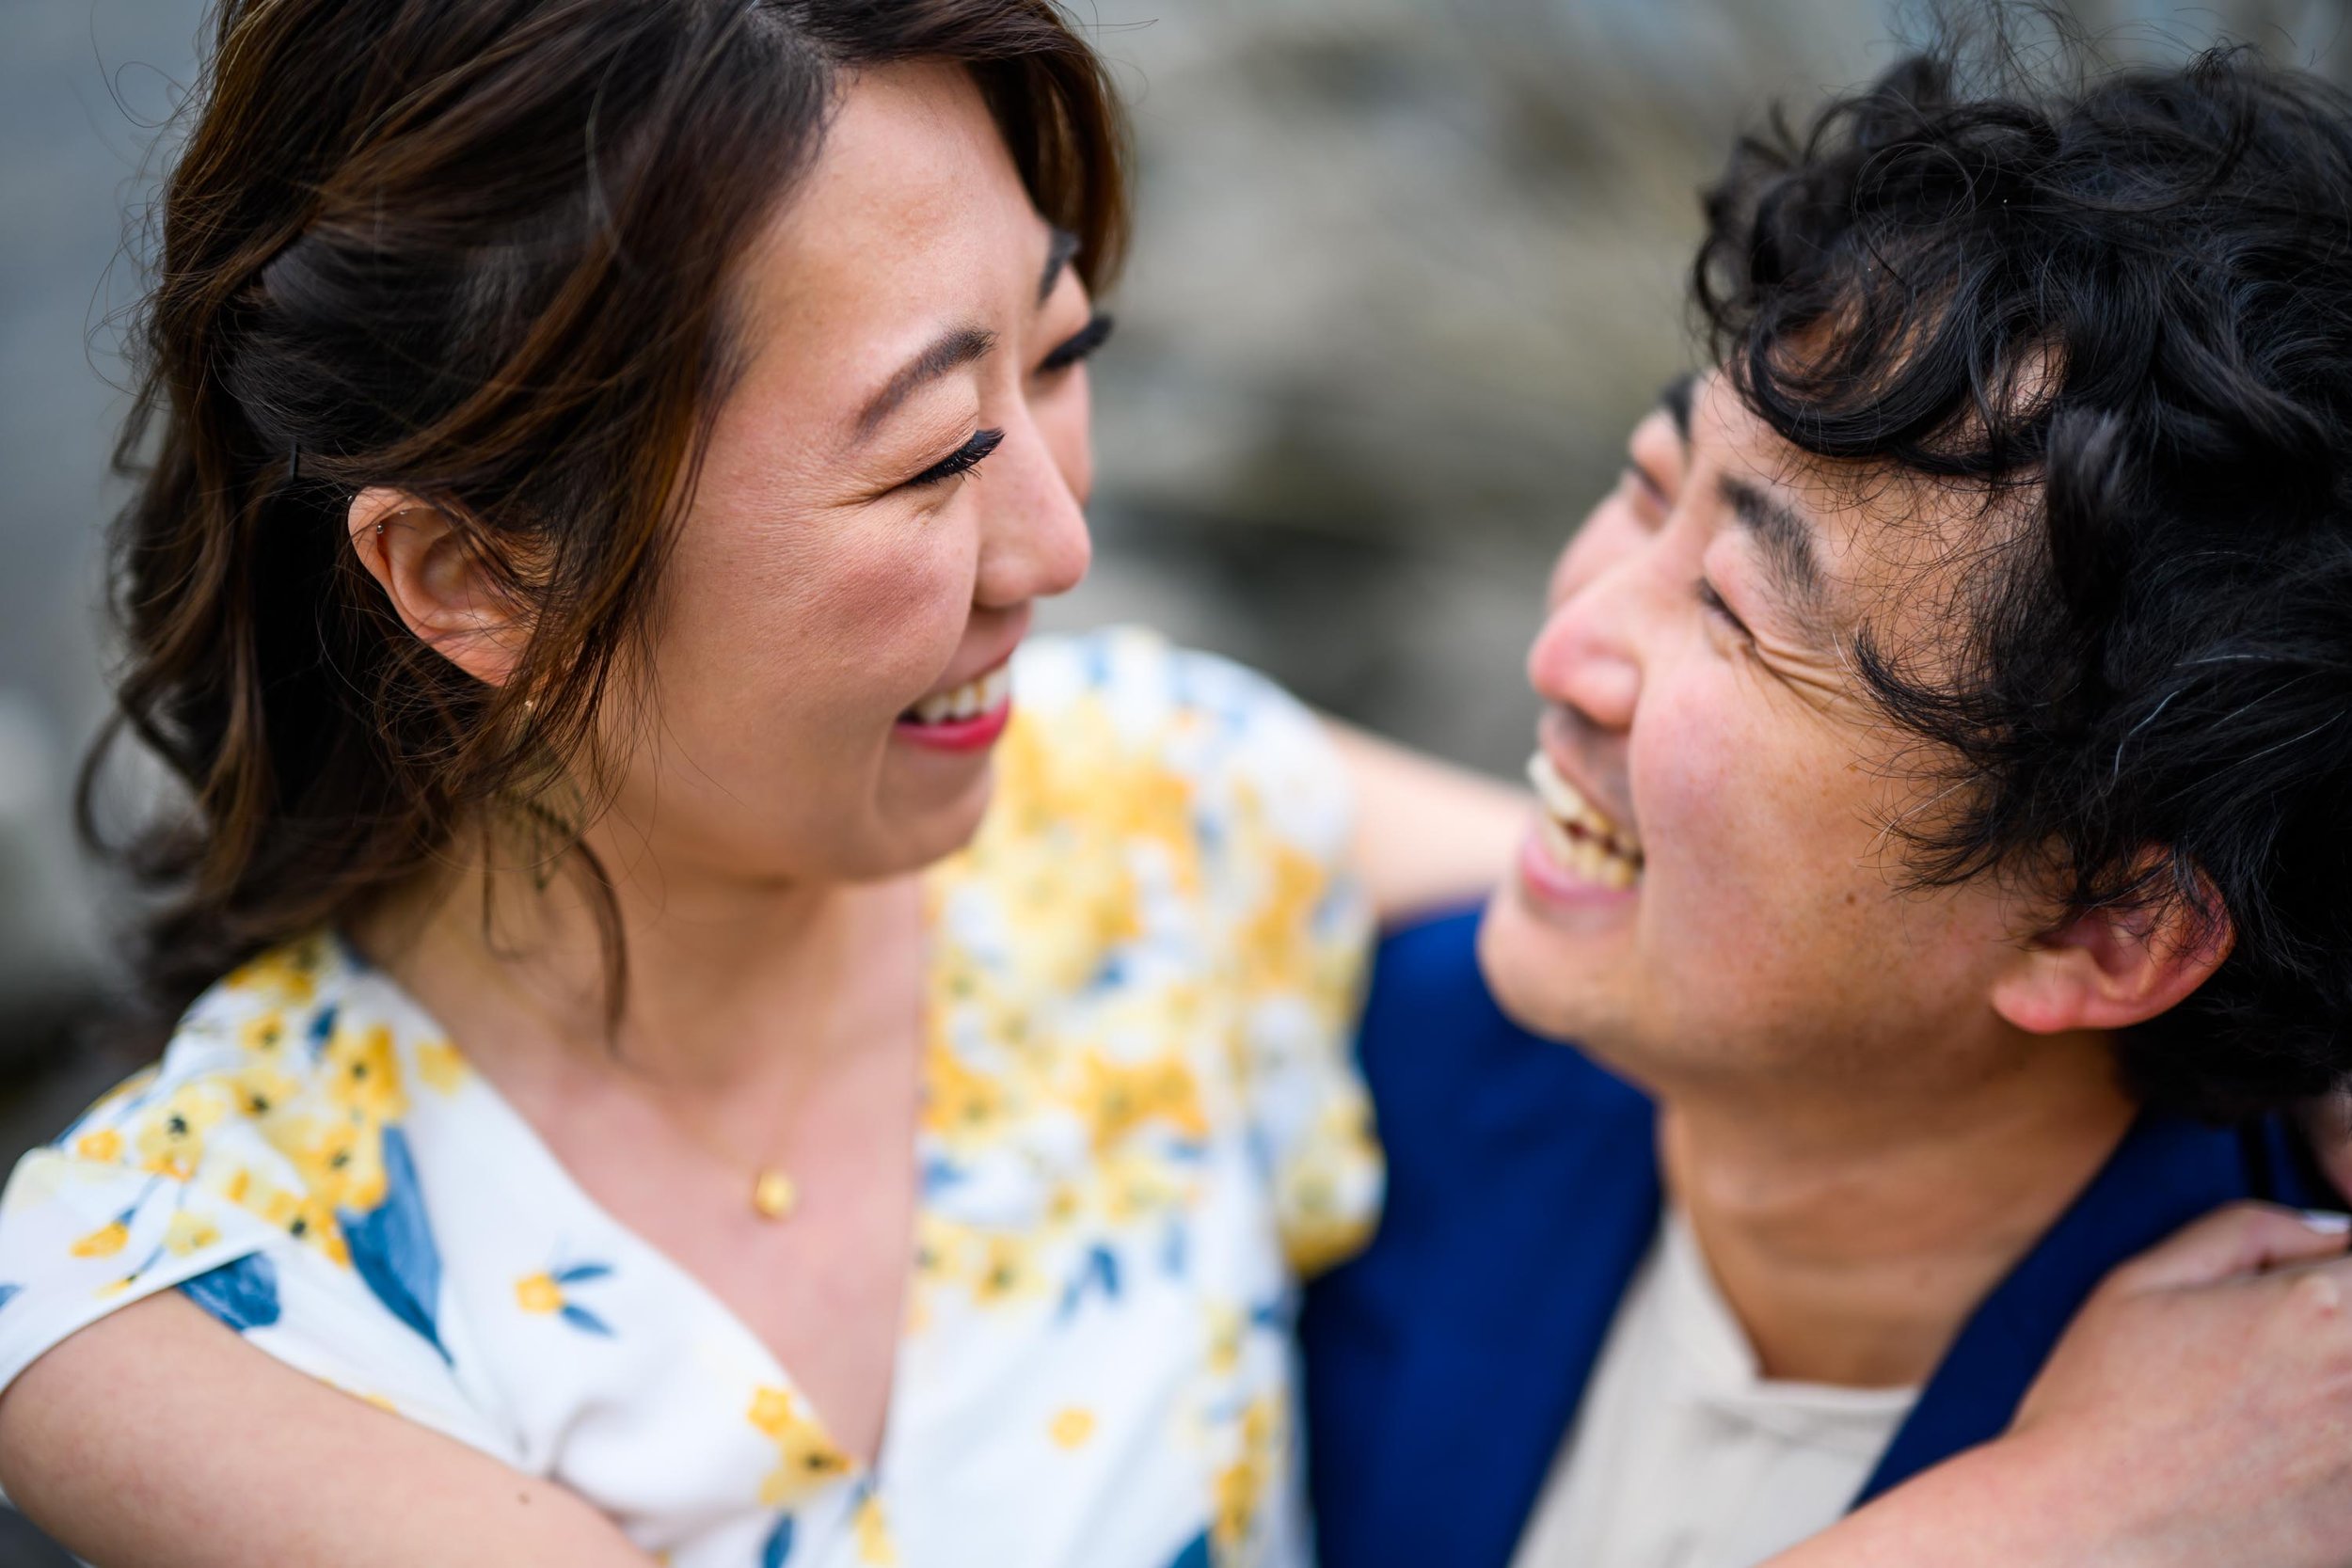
(477, 250)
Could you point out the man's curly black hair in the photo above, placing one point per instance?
(2121, 309)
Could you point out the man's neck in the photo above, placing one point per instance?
(1852, 1236)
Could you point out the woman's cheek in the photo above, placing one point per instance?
(888, 612)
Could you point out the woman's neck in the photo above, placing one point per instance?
(1853, 1238)
(729, 983)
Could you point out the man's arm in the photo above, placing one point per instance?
(157, 1438)
(2198, 1412)
(1429, 836)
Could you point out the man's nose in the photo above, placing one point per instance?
(1034, 542)
(1585, 656)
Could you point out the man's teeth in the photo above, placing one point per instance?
(969, 700)
(1579, 836)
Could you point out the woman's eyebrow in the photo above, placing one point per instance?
(1061, 251)
(961, 346)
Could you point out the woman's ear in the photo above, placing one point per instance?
(437, 586)
(2110, 969)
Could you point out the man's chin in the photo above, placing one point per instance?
(1544, 980)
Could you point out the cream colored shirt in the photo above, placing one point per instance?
(1685, 1455)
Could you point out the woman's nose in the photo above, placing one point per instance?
(1034, 541)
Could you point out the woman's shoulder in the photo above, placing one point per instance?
(264, 1153)
(289, 1048)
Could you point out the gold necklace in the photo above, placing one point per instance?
(774, 1194)
(775, 1197)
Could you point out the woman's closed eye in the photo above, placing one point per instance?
(960, 462)
(1081, 345)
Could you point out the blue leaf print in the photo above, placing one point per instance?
(1175, 1248)
(392, 1246)
(9, 1292)
(242, 1294)
(779, 1545)
(585, 1321)
(1195, 1555)
(322, 1030)
(1101, 1268)
(580, 1274)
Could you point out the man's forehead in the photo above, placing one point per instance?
(1836, 541)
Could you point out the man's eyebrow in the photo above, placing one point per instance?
(1675, 398)
(961, 346)
(1787, 541)
(1060, 252)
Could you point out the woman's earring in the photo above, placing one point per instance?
(548, 815)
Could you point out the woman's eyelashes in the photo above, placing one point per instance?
(1082, 346)
(970, 455)
(960, 462)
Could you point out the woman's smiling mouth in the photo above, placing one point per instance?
(968, 718)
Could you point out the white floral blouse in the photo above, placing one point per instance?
(1140, 1127)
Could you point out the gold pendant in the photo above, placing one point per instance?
(774, 1195)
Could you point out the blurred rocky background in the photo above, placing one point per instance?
(1409, 271)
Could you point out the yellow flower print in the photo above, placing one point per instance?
(1156, 803)
(807, 1460)
(341, 1159)
(306, 1219)
(172, 1136)
(1137, 1185)
(1275, 946)
(265, 1034)
(104, 1241)
(874, 1545)
(1117, 1098)
(440, 1066)
(363, 1074)
(1241, 1486)
(1072, 1428)
(958, 1101)
(288, 974)
(189, 1233)
(1226, 1330)
(1008, 1272)
(549, 1295)
(104, 1146)
(1322, 1224)
(261, 1091)
(539, 1293)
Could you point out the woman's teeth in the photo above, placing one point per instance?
(1580, 837)
(969, 700)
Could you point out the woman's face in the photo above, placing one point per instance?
(898, 473)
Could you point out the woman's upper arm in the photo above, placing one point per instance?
(1429, 836)
(157, 1438)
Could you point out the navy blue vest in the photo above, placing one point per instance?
(1444, 1366)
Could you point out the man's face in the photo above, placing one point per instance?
(1713, 892)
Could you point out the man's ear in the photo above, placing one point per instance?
(437, 586)
(2114, 968)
